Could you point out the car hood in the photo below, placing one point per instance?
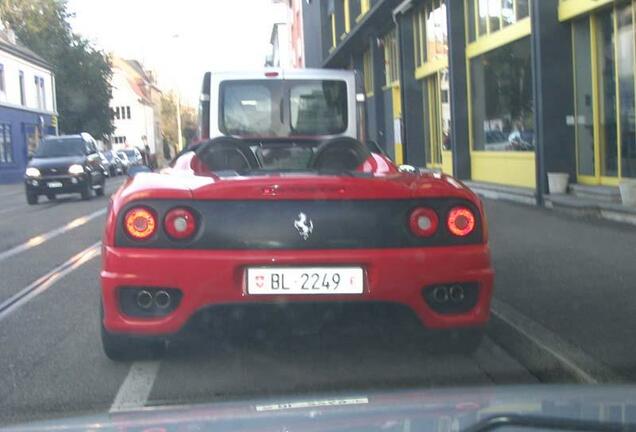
(56, 162)
(382, 412)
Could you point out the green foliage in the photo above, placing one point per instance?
(82, 73)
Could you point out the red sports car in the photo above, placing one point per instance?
(244, 221)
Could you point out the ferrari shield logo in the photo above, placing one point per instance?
(303, 225)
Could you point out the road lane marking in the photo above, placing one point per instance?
(570, 357)
(134, 391)
(39, 239)
(36, 288)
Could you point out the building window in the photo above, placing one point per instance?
(128, 112)
(116, 113)
(430, 33)
(43, 90)
(22, 95)
(39, 91)
(332, 19)
(3, 89)
(6, 144)
(489, 16)
(364, 6)
(391, 59)
(367, 71)
(501, 98)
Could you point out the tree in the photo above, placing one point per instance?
(82, 73)
(169, 123)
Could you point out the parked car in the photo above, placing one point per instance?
(65, 164)
(105, 164)
(116, 164)
(125, 162)
(134, 156)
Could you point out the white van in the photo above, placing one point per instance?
(275, 103)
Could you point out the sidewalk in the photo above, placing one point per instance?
(588, 202)
(571, 276)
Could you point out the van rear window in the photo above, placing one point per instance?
(283, 108)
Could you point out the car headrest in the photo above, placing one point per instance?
(341, 153)
(226, 153)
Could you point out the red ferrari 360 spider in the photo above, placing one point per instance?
(293, 219)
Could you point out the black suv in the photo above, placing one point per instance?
(65, 164)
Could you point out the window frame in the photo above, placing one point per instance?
(22, 88)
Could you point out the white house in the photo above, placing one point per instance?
(28, 107)
(135, 114)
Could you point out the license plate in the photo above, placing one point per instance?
(55, 184)
(305, 280)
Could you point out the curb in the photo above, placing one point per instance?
(545, 354)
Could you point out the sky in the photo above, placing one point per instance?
(179, 39)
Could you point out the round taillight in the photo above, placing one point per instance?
(180, 223)
(461, 221)
(423, 222)
(140, 223)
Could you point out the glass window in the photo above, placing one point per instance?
(522, 9)
(6, 144)
(502, 105)
(436, 32)
(494, 14)
(128, 112)
(507, 12)
(471, 20)
(607, 93)
(58, 147)
(584, 110)
(625, 67)
(318, 107)
(367, 65)
(391, 59)
(22, 96)
(483, 17)
(246, 109)
(2, 84)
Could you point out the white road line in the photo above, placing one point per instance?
(39, 239)
(570, 357)
(134, 391)
(45, 282)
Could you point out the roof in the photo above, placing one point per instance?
(21, 51)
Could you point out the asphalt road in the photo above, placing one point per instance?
(51, 363)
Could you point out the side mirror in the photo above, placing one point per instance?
(407, 169)
(134, 170)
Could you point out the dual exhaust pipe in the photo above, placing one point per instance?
(453, 293)
(160, 299)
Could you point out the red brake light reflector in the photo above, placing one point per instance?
(271, 74)
(423, 222)
(140, 223)
(180, 223)
(461, 221)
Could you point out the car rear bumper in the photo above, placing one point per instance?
(209, 278)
